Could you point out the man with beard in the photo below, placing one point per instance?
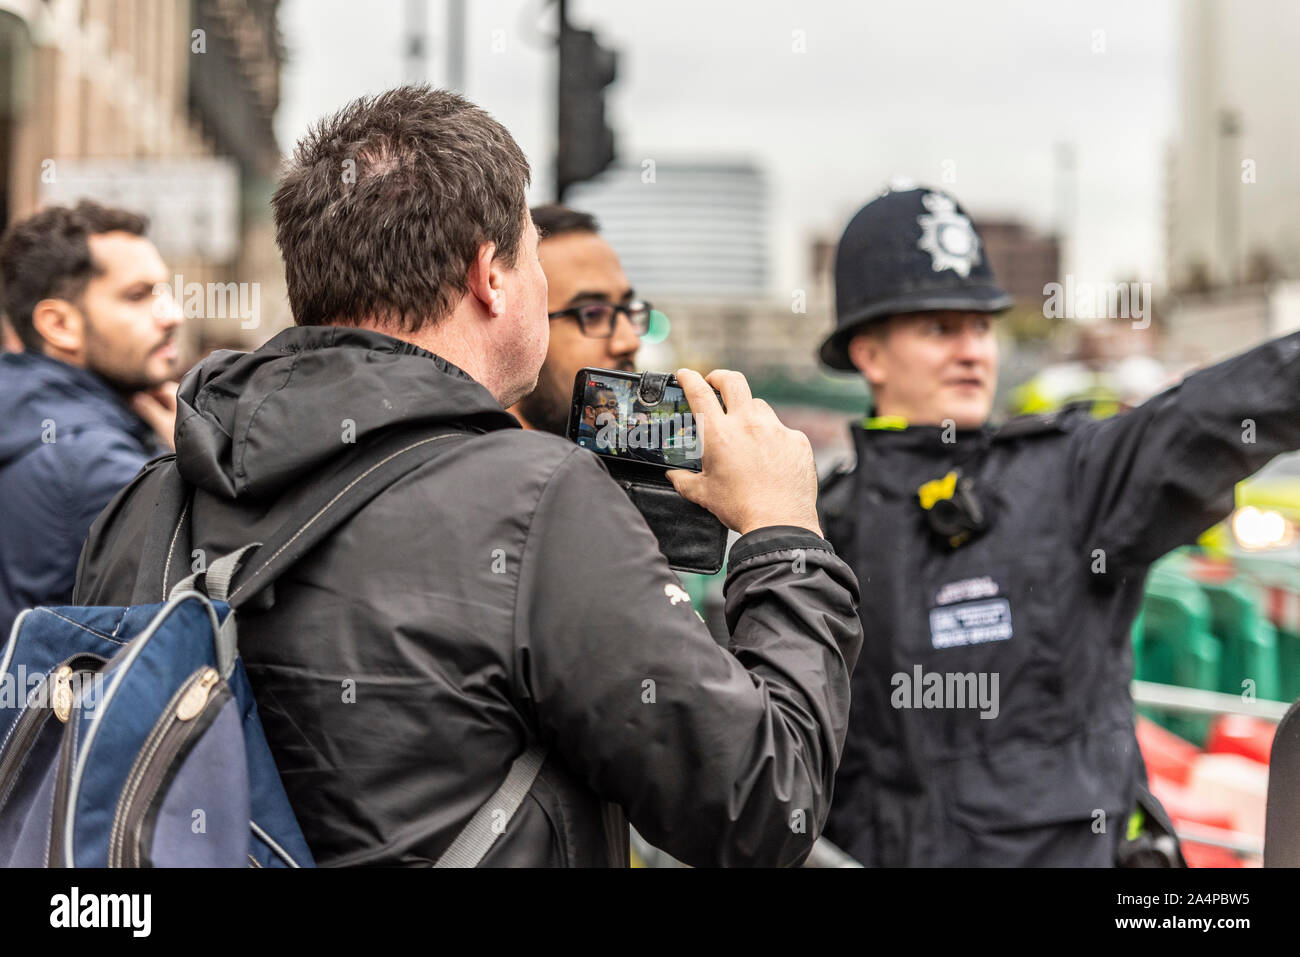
(89, 399)
(596, 321)
(600, 412)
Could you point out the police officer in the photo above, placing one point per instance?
(1001, 568)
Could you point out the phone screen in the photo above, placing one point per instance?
(612, 420)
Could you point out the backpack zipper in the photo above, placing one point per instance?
(67, 758)
(58, 686)
(115, 837)
(186, 716)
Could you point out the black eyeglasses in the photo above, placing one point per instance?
(597, 319)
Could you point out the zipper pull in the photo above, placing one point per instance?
(196, 697)
(62, 694)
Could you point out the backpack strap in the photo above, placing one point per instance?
(236, 579)
(490, 820)
(245, 573)
(168, 532)
(221, 572)
(389, 461)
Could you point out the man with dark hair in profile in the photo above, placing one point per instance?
(595, 318)
(599, 411)
(448, 602)
(88, 399)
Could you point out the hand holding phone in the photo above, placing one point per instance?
(755, 472)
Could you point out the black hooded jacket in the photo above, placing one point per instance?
(1043, 767)
(503, 593)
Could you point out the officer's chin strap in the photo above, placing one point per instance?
(952, 509)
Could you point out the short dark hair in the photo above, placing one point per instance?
(384, 205)
(552, 219)
(599, 394)
(47, 256)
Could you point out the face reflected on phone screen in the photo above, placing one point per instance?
(615, 422)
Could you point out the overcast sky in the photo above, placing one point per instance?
(986, 88)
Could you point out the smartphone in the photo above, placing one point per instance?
(640, 418)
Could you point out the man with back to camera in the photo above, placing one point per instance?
(1016, 554)
(449, 601)
(88, 400)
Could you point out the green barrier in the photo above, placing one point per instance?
(1288, 664)
(697, 586)
(1177, 646)
(1250, 647)
(1135, 636)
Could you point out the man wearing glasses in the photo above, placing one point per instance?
(595, 318)
(605, 404)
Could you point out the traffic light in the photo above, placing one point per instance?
(586, 143)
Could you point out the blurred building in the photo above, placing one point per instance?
(1233, 188)
(1023, 260)
(689, 230)
(1232, 209)
(760, 337)
(1204, 327)
(161, 105)
(692, 237)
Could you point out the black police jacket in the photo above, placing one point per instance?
(991, 719)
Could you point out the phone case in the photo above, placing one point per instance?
(690, 537)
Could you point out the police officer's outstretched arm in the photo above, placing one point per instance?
(1156, 477)
(719, 757)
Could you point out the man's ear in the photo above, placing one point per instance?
(865, 352)
(484, 280)
(61, 325)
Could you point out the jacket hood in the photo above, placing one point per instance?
(251, 424)
(34, 388)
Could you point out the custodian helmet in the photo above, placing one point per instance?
(914, 250)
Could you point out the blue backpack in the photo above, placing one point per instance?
(129, 736)
(136, 743)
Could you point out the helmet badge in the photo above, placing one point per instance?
(947, 236)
